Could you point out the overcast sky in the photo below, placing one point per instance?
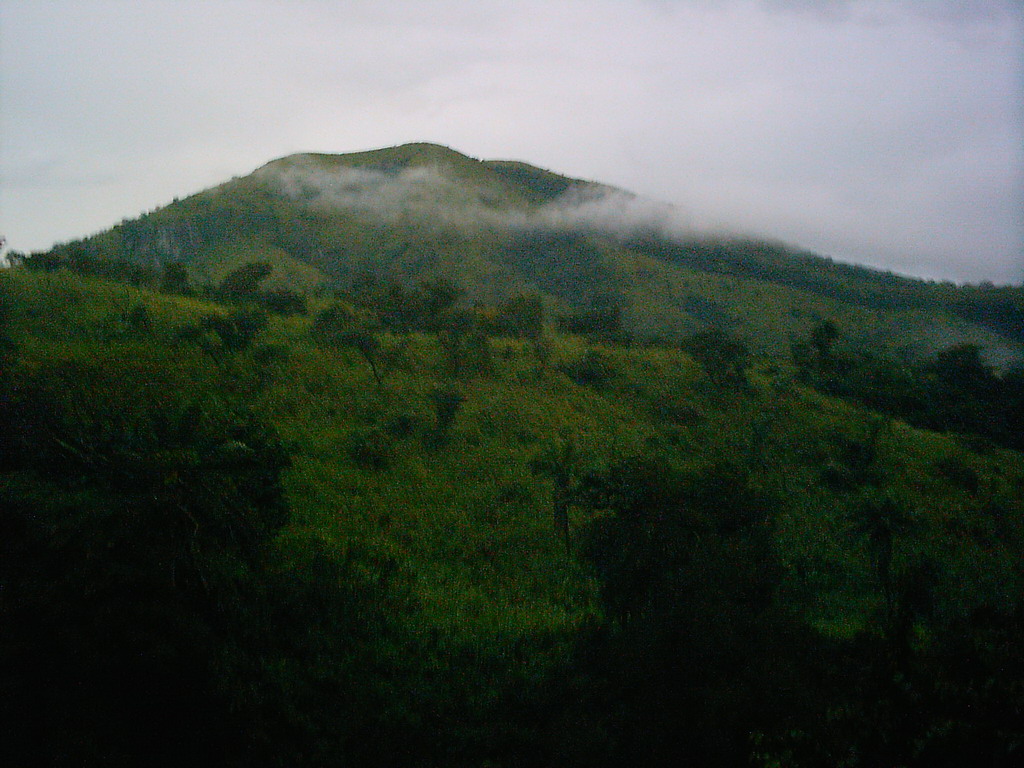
(887, 132)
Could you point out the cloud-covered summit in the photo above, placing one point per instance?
(442, 193)
(887, 132)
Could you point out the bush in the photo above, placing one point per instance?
(447, 402)
(595, 369)
(238, 329)
(283, 301)
(371, 449)
(137, 503)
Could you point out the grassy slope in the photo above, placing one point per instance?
(472, 522)
(288, 272)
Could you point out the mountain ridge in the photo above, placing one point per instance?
(424, 153)
(420, 211)
(434, 180)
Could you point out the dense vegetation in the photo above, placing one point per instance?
(956, 390)
(398, 524)
(444, 481)
(998, 308)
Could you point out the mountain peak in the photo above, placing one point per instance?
(420, 211)
(387, 159)
(428, 180)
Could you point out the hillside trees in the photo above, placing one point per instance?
(955, 391)
(85, 257)
(132, 506)
(999, 308)
(401, 309)
(566, 257)
(150, 615)
(340, 326)
(774, 578)
(433, 307)
(242, 286)
(687, 572)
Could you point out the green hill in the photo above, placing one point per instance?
(408, 459)
(422, 212)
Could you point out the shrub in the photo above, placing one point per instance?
(371, 449)
(595, 369)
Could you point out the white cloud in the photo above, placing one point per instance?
(886, 131)
(433, 194)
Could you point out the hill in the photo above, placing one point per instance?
(400, 531)
(421, 212)
(408, 459)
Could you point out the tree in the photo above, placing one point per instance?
(339, 326)
(136, 504)
(823, 338)
(283, 301)
(602, 320)
(543, 351)
(424, 307)
(725, 359)
(561, 463)
(463, 339)
(595, 369)
(8, 356)
(438, 299)
(881, 522)
(687, 573)
(243, 283)
(175, 278)
(963, 369)
(7, 347)
(521, 317)
(447, 403)
(238, 329)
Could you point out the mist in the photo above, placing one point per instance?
(886, 132)
(432, 195)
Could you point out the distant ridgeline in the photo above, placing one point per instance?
(421, 212)
(1000, 308)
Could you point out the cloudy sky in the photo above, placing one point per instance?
(887, 132)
